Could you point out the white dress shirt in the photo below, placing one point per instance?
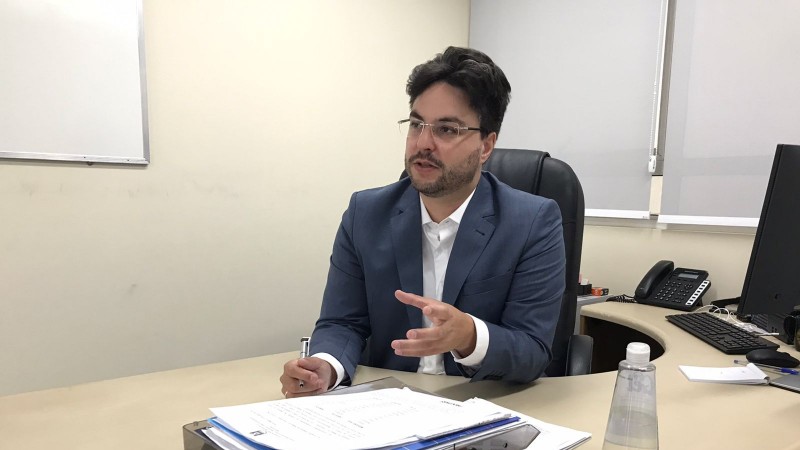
(436, 249)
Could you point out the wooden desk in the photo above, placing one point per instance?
(147, 411)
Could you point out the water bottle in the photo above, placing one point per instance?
(632, 421)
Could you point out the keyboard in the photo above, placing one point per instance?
(725, 336)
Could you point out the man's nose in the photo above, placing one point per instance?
(425, 138)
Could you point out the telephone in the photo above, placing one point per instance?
(680, 288)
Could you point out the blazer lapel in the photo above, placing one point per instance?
(473, 235)
(407, 243)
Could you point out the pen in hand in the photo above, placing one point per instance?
(773, 369)
(304, 342)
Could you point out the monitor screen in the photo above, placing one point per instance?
(772, 282)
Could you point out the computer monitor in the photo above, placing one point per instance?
(772, 284)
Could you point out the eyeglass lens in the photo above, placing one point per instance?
(441, 130)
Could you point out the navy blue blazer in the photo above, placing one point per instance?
(507, 268)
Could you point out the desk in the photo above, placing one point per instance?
(584, 300)
(147, 411)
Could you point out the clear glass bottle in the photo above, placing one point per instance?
(632, 420)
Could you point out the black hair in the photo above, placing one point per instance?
(472, 71)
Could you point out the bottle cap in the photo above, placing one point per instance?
(638, 353)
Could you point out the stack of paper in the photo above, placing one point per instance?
(385, 414)
(749, 374)
(381, 418)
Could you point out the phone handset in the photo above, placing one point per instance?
(654, 276)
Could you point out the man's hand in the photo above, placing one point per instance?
(317, 375)
(451, 330)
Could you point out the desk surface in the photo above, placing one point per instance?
(147, 411)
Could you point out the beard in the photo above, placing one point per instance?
(450, 180)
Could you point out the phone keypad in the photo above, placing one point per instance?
(678, 291)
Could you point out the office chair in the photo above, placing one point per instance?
(536, 172)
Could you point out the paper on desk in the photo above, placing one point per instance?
(354, 421)
(551, 437)
(749, 374)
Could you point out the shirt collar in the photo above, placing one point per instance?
(456, 216)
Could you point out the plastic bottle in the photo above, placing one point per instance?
(632, 420)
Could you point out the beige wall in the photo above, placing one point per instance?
(264, 117)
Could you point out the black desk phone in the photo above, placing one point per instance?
(680, 288)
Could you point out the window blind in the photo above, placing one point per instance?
(584, 78)
(734, 95)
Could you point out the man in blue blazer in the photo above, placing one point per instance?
(448, 270)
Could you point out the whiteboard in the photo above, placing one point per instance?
(72, 81)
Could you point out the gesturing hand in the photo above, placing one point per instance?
(451, 330)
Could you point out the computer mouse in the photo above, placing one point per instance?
(772, 357)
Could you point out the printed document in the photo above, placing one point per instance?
(363, 420)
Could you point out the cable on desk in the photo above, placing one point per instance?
(622, 299)
(713, 309)
(731, 317)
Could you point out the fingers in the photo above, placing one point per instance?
(311, 364)
(288, 394)
(413, 299)
(435, 310)
(451, 330)
(426, 334)
(314, 373)
(423, 342)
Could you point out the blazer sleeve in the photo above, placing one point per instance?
(343, 324)
(520, 344)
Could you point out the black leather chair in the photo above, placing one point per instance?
(536, 172)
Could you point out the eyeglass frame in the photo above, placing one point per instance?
(432, 126)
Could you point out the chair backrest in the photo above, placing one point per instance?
(536, 172)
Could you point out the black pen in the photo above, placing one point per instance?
(304, 342)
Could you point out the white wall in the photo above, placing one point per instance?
(264, 117)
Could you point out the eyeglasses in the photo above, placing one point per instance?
(443, 131)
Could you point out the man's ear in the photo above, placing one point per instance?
(488, 146)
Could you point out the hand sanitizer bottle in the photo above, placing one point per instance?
(632, 421)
